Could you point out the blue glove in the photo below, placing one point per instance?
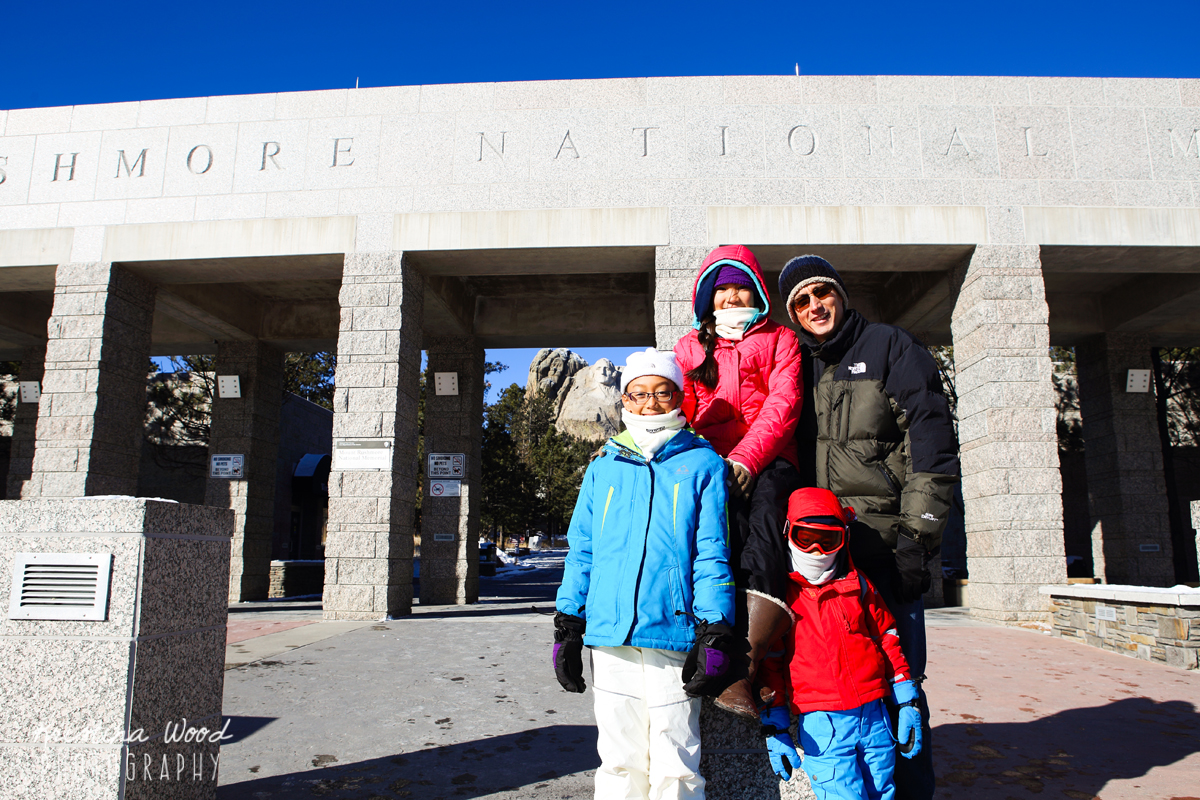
(780, 749)
(908, 729)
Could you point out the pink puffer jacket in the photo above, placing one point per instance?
(751, 415)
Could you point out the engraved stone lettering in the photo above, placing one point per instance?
(1029, 149)
(58, 165)
(956, 140)
(723, 129)
(139, 162)
(339, 150)
(803, 140)
(1191, 147)
(567, 144)
(871, 141)
(484, 140)
(192, 161)
(3, 174)
(270, 153)
(645, 140)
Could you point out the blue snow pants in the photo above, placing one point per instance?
(849, 755)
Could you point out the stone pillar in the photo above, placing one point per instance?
(75, 689)
(674, 276)
(1012, 489)
(93, 407)
(20, 454)
(248, 426)
(453, 424)
(1127, 493)
(369, 546)
(1195, 506)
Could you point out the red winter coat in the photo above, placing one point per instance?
(751, 415)
(843, 651)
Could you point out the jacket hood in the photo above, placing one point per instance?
(730, 255)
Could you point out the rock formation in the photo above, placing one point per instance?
(586, 399)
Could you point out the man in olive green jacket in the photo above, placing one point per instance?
(876, 430)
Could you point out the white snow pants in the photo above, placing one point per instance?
(649, 728)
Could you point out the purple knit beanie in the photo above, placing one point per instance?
(733, 275)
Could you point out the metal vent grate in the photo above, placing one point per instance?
(60, 586)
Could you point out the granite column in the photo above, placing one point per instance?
(454, 425)
(248, 426)
(1012, 489)
(24, 431)
(674, 276)
(369, 546)
(93, 406)
(1127, 493)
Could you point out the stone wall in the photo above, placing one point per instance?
(1152, 625)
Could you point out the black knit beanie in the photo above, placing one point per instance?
(804, 270)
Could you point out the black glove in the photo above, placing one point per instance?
(912, 562)
(710, 659)
(568, 651)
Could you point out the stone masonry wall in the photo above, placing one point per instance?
(1167, 634)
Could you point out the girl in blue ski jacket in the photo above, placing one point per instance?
(648, 588)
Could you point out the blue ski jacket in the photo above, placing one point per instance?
(649, 545)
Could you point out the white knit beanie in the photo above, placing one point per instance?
(651, 362)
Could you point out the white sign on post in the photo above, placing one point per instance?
(445, 488)
(447, 465)
(351, 454)
(227, 466)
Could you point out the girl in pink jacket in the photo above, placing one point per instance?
(741, 393)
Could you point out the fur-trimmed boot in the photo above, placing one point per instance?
(766, 620)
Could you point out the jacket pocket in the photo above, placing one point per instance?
(816, 732)
(678, 601)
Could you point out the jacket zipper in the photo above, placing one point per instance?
(637, 588)
(891, 482)
(836, 413)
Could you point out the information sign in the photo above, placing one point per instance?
(445, 488)
(351, 454)
(447, 465)
(227, 466)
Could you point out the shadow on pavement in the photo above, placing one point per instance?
(466, 770)
(239, 728)
(260, 608)
(479, 610)
(1073, 753)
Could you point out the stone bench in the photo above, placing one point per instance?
(1146, 622)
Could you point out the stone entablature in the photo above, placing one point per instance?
(997, 143)
(1153, 624)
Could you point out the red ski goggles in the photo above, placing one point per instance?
(808, 537)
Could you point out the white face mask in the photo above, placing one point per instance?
(652, 431)
(732, 322)
(815, 567)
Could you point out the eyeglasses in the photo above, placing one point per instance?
(641, 397)
(819, 291)
(821, 538)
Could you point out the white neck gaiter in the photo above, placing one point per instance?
(652, 431)
(815, 567)
(732, 322)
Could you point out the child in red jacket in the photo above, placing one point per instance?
(837, 664)
(741, 392)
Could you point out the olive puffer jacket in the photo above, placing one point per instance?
(876, 430)
(750, 417)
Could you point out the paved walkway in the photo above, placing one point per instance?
(460, 702)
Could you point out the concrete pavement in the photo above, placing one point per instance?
(460, 702)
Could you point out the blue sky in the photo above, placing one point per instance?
(69, 53)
